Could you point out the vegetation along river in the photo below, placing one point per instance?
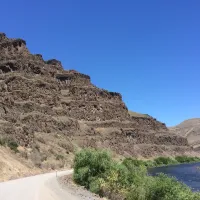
(186, 173)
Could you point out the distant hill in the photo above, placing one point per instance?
(191, 129)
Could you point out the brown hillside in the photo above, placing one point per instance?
(50, 112)
(191, 130)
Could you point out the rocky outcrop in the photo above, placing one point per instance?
(59, 110)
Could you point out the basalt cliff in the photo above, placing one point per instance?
(49, 113)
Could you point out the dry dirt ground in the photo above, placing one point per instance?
(67, 183)
(12, 167)
(43, 187)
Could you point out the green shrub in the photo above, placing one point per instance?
(2, 141)
(165, 161)
(89, 164)
(13, 145)
(161, 188)
(187, 159)
(150, 163)
(165, 188)
(133, 162)
(128, 180)
(118, 174)
(141, 191)
(137, 163)
(96, 186)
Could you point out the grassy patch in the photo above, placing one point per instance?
(12, 144)
(161, 161)
(187, 159)
(99, 173)
(137, 163)
(165, 161)
(135, 114)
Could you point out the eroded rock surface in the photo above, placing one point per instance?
(50, 111)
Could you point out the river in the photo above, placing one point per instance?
(186, 173)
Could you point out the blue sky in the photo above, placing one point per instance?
(149, 51)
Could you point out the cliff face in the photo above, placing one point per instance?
(50, 111)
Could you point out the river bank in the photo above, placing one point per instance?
(164, 161)
(98, 172)
(188, 173)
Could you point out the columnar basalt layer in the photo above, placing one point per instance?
(39, 97)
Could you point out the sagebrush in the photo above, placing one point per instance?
(98, 172)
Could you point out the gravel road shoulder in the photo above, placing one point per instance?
(67, 183)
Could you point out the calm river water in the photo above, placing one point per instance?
(186, 173)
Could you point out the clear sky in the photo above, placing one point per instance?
(148, 50)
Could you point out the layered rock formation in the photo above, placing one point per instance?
(52, 111)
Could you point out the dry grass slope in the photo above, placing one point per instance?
(189, 129)
(135, 114)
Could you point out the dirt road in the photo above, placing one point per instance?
(39, 187)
